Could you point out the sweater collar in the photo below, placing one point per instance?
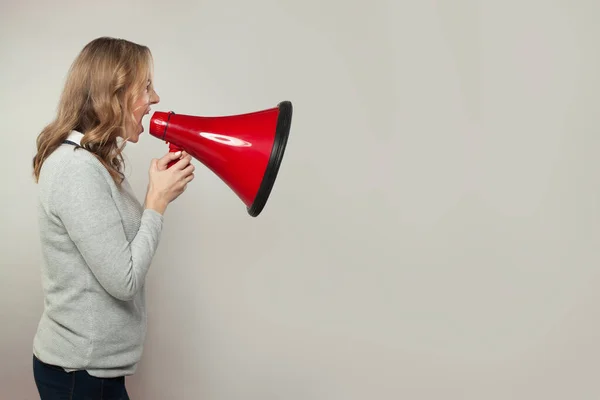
(75, 137)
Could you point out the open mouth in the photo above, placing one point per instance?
(142, 119)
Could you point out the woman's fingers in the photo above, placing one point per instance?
(167, 158)
(183, 162)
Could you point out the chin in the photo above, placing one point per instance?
(135, 137)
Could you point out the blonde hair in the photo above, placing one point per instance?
(103, 83)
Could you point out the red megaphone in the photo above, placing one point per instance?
(243, 150)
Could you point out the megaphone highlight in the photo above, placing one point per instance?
(245, 150)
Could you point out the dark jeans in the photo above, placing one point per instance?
(54, 383)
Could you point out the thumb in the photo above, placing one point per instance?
(153, 165)
(167, 158)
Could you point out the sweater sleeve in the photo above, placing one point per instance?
(83, 201)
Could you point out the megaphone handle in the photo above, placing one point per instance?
(173, 148)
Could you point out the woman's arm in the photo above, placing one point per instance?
(82, 199)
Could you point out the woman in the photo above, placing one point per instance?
(97, 240)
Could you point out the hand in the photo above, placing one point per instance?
(166, 184)
(171, 156)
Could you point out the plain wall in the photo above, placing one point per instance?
(434, 229)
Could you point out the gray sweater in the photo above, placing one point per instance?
(97, 243)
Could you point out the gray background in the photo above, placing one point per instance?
(433, 233)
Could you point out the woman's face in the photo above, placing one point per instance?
(140, 108)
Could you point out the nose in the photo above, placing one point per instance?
(155, 98)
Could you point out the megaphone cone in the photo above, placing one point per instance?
(244, 151)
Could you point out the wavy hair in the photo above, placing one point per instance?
(101, 87)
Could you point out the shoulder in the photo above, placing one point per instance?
(68, 164)
(72, 175)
